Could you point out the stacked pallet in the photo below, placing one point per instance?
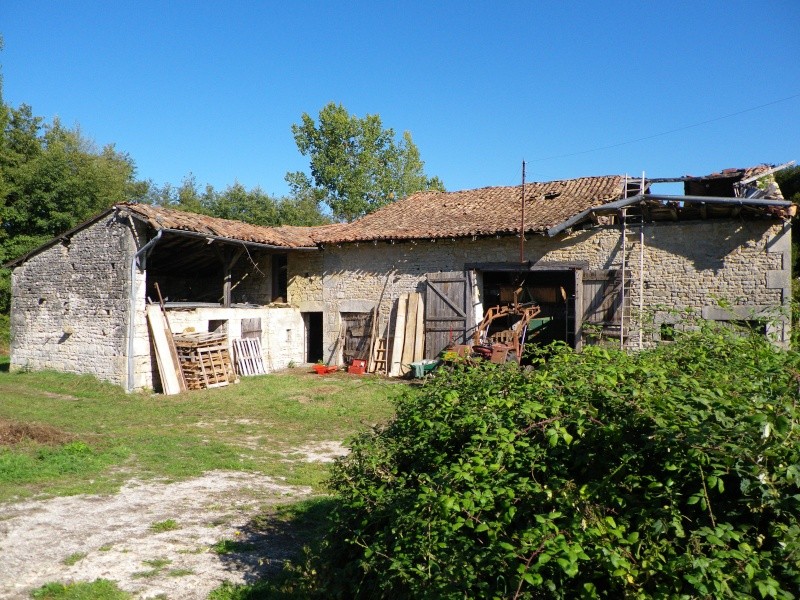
(205, 360)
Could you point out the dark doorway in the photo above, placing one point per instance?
(552, 291)
(280, 278)
(314, 349)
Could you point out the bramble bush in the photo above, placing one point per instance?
(669, 473)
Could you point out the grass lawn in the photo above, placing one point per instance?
(93, 436)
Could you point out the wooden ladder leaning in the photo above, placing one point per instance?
(379, 356)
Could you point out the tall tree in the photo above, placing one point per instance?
(358, 164)
(51, 179)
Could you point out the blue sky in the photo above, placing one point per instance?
(212, 88)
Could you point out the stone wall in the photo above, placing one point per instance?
(305, 274)
(70, 304)
(71, 301)
(686, 265)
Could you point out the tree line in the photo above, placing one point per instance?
(53, 177)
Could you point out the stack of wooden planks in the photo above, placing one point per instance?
(248, 357)
(204, 359)
(409, 334)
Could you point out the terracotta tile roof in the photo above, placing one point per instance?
(284, 236)
(485, 211)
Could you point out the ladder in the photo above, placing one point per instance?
(379, 356)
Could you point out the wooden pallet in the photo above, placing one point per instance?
(248, 357)
(205, 360)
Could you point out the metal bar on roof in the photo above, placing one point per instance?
(720, 200)
(765, 173)
(624, 202)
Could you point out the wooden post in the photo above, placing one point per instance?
(228, 261)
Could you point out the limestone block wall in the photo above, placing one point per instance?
(70, 304)
(305, 276)
(683, 265)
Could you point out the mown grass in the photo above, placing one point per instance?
(257, 425)
(100, 589)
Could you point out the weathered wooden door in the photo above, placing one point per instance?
(357, 328)
(602, 305)
(447, 311)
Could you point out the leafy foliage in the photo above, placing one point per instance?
(51, 179)
(356, 163)
(254, 206)
(671, 473)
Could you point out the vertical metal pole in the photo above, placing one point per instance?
(522, 221)
(622, 307)
(641, 272)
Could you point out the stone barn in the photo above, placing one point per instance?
(605, 258)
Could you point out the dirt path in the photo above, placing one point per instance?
(112, 537)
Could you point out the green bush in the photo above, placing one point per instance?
(670, 473)
(5, 333)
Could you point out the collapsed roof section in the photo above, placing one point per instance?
(213, 228)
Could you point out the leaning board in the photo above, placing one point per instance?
(399, 334)
(167, 367)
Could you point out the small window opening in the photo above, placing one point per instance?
(218, 326)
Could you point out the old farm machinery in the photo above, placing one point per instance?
(500, 336)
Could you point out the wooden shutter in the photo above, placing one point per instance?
(447, 312)
(251, 328)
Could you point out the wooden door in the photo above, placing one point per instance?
(602, 304)
(447, 311)
(357, 329)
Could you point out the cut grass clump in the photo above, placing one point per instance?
(15, 432)
(157, 563)
(167, 525)
(74, 558)
(232, 547)
(100, 589)
(179, 572)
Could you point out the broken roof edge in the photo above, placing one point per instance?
(232, 241)
(119, 208)
(279, 237)
(640, 198)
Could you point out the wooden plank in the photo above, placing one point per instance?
(410, 332)
(399, 335)
(171, 341)
(168, 369)
(419, 336)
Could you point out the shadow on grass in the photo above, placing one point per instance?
(5, 362)
(266, 543)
